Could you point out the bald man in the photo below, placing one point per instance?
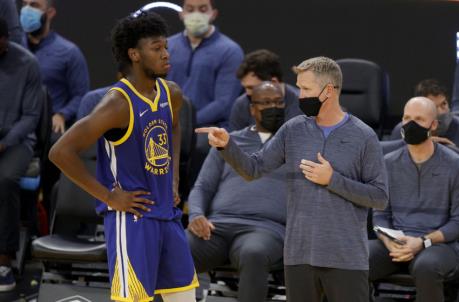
(423, 203)
(238, 222)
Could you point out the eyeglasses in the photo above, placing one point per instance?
(266, 103)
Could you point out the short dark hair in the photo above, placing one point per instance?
(129, 30)
(3, 29)
(263, 63)
(430, 87)
(212, 3)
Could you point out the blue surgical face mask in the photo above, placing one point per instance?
(31, 19)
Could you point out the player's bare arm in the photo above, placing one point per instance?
(111, 113)
(176, 101)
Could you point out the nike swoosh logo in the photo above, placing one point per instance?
(143, 112)
(163, 105)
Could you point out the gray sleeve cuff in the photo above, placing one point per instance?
(450, 231)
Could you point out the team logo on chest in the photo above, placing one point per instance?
(157, 147)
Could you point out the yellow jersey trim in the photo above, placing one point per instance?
(131, 117)
(168, 97)
(153, 104)
(194, 284)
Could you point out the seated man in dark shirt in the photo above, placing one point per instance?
(447, 132)
(90, 100)
(423, 203)
(20, 97)
(261, 65)
(239, 222)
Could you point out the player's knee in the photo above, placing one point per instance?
(185, 296)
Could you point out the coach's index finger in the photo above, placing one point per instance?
(205, 129)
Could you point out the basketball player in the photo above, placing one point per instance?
(136, 127)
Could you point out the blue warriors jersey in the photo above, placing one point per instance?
(141, 160)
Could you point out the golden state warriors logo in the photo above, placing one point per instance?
(157, 147)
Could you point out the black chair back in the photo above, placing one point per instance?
(365, 91)
(74, 208)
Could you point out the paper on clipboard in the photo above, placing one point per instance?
(390, 232)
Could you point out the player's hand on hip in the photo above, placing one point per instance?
(319, 173)
(129, 201)
(201, 227)
(218, 137)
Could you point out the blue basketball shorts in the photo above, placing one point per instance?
(147, 256)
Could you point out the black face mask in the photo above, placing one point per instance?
(311, 105)
(444, 121)
(272, 118)
(414, 134)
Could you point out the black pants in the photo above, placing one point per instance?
(310, 283)
(429, 268)
(13, 165)
(252, 250)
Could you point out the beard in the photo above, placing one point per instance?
(153, 75)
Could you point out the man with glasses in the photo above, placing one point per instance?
(335, 172)
(238, 222)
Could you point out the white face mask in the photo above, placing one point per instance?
(197, 24)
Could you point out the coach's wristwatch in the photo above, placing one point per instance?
(426, 242)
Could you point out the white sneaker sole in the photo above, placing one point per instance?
(8, 287)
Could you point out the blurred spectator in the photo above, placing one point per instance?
(239, 222)
(93, 97)
(90, 101)
(9, 12)
(423, 203)
(62, 64)
(447, 132)
(261, 65)
(204, 63)
(64, 72)
(20, 95)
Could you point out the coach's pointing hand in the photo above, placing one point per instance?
(218, 137)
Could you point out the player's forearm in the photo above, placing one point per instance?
(176, 139)
(74, 168)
